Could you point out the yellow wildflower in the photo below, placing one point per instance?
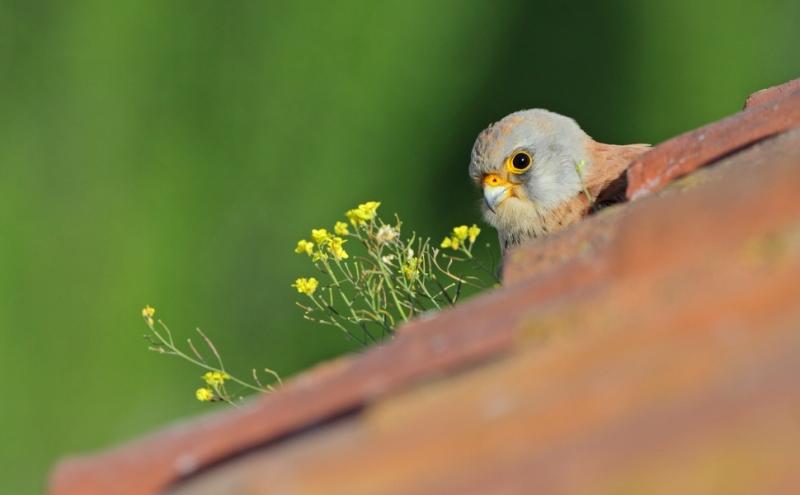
(459, 236)
(369, 208)
(341, 228)
(336, 249)
(363, 213)
(451, 242)
(147, 313)
(353, 216)
(411, 268)
(204, 394)
(215, 378)
(473, 232)
(461, 232)
(306, 286)
(304, 246)
(319, 256)
(319, 235)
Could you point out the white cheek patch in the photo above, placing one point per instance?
(554, 182)
(545, 189)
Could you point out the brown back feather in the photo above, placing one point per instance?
(606, 180)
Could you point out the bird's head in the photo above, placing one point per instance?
(526, 166)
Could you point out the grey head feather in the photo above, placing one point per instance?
(556, 143)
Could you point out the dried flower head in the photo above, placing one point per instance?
(386, 234)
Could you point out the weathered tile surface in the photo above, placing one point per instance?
(652, 348)
(687, 152)
(677, 374)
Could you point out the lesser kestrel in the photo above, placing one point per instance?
(540, 172)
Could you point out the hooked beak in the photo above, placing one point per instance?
(495, 191)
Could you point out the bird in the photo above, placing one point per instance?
(540, 172)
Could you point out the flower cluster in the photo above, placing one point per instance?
(459, 236)
(214, 389)
(215, 377)
(306, 286)
(323, 244)
(390, 279)
(147, 313)
(341, 228)
(386, 280)
(363, 213)
(303, 246)
(204, 394)
(411, 267)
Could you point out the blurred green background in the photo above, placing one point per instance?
(171, 153)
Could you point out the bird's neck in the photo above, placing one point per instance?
(546, 222)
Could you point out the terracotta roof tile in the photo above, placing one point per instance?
(772, 94)
(687, 152)
(653, 345)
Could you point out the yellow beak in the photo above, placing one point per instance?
(495, 190)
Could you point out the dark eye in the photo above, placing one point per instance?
(520, 162)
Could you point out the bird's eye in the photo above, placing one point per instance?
(519, 162)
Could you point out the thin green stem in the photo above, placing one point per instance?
(196, 362)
